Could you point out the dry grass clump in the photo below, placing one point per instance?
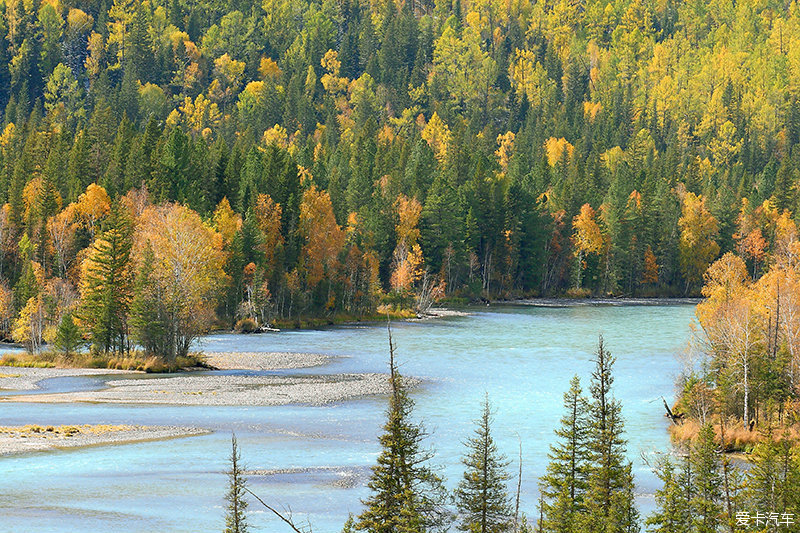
(737, 437)
(137, 361)
(32, 430)
(25, 360)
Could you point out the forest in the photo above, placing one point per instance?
(169, 166)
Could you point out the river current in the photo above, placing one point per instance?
(315, 461)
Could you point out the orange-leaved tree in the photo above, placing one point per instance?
(324, 241)
(407, 263)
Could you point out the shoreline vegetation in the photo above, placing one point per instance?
(137, 361)
(741, 377)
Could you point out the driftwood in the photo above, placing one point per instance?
(677, 418)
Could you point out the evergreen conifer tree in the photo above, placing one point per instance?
(773, 481)
(609, 499)
(106, 284)
(706, 501)
(68, 335)
(407, 495)
(564, 486)
(482, 497)
(672, 514)
(236, 519)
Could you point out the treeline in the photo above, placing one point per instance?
(409, 149)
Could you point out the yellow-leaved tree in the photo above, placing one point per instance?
(697, 247)
(179, 264)
(586, 238)
(324, 241)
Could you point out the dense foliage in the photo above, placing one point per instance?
(349, 151)
(749, 361)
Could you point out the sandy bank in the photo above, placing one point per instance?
(264, 360)
(25, 439)
(21, 378)
(211, 389)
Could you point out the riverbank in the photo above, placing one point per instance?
(578, 302)
(26, 439)
(215, 389)
(27, 378)
(264, 360)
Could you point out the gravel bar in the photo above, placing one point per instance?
(211, 389)
(24, 378)
(26, 439)
(264, 360)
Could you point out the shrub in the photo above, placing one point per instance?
(246, 325)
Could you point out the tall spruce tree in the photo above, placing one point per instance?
(482, 497)
(672, 513)
(148, 321)
(407, 495)
(610, 504)
(106, 284)
(564, 485)
(773, 482)
(236, 518)
(706, 502)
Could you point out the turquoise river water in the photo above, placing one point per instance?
(319, 457)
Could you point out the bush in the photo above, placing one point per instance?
(578, 293)
(246, 325)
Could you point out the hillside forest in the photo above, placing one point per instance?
(167, 166)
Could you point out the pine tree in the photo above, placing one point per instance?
(68, 335)
(407, 495)
(564, 486)
(482, 497)
(106, 284)
(610, 497)
(706, 501)
(236, 519)
(672, 514)
(147, 313)
(773, 482)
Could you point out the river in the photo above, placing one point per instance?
(318, 458)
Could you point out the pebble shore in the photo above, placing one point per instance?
(182, 388)
(226, 390)
(27, 439)
(264, 360)
(23, 378)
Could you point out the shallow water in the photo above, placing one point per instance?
(522, 356)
